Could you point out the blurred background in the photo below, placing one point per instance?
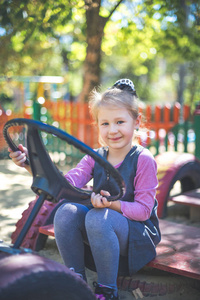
(53, 53)
(95, 42)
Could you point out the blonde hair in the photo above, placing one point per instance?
(113, 97)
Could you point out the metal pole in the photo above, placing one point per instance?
(30, 220)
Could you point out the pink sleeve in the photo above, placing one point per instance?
(145, 183)
(82, 173)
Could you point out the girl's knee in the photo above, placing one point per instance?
(61, 214)
(95, 220)
(65, 214)
(64, 208)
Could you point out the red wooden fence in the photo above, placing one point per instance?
(75, 119)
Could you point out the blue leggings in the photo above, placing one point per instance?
(104, 229)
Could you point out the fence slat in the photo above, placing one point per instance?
(161, 127)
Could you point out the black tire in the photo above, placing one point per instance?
(173, 167)
(189, 177)
(31, 277)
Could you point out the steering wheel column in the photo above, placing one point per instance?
(46, 177)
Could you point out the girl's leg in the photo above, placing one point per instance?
(69, 227)
(107, 232)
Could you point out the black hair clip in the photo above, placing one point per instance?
(126, 85)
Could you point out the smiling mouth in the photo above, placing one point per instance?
(115, 139)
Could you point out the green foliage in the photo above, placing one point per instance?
(33, 30)
(4, 98)
(145, 40)
(157, 37)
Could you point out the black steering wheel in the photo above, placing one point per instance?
(46, 177)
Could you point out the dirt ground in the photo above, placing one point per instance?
(15, 194)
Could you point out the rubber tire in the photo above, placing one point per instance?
(189, 177)
(34, 239)
(185, 168)
(31, 277)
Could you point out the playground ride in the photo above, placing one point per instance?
(24, 274)
(173, 168)
(177, 253)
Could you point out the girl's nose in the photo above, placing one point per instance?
(113, 128)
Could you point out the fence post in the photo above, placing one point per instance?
(166, 116)
(157, 120)
(36, 110)
(197, 131)
(176, 117)
(186, 115)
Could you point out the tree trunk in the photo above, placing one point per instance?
(182, 67)
(95, 30)
(181, 86)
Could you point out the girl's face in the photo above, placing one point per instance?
(116, 127)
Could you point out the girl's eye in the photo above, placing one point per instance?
(105, 124)
(120, 122)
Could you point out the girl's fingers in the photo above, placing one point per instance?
(96, 200)
(104, 193)
(105, 202)
(99, 201)
(16, 154)
(23, 149)
(18, 158)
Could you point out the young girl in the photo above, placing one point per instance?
(127, 227)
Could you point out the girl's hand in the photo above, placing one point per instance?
(99, 201)
(19, 157)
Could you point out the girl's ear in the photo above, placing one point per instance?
(138, 122)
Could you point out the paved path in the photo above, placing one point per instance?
(15, 194)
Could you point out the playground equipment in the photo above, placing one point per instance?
(175, 167)
(176, 252)
(25, 275)
(28, 92)
(168, 132)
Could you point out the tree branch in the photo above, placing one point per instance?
(114, 8)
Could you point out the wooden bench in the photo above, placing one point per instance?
(178, 252)
(191, 199)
